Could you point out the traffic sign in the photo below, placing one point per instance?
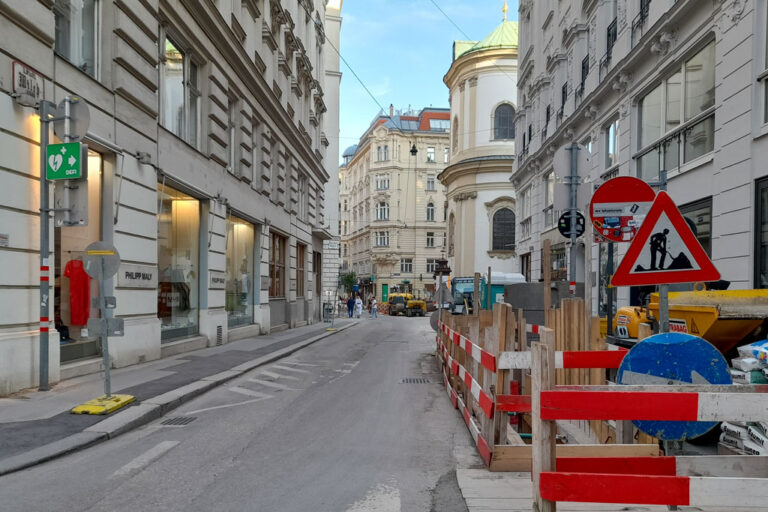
(619, 206)
(564, 224)
(664, 251)
(64, 161)
(101, 260)
(72, 118)
(673, 358)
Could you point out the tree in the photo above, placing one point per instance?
(348, 281)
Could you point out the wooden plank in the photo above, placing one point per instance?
(544, 432)
(547, 264)
(725, 466)
(500, 312)
(519, 458)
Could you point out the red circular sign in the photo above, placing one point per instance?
(619, 206)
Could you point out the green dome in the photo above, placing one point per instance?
(505, 36)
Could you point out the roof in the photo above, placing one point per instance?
(504, 36)
(350, 151)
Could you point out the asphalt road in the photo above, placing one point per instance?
(356, 422)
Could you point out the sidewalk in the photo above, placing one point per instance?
(37, 426)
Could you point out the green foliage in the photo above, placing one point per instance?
(348, 281)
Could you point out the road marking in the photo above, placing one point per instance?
(270, 384)
(224, 406)
(145, 459)
(310, 365)
(286, 368)
(277, 375)
(249, 392)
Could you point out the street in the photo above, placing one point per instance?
(358, 421)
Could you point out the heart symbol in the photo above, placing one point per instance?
(55, 162)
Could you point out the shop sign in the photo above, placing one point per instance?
(333, 245)
(217, 280)
(137, 276)
(64, 161)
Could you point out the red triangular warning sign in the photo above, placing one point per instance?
(664, 251)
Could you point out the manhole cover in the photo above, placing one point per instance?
(415, 380)
(179, 421)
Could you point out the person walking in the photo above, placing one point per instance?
(374, 308)
(350, 306)
(358, 307)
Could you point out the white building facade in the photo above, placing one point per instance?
(392, 215)
(642, 86)
(207, 171)
(481, 202)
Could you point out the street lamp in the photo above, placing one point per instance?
(414, 150)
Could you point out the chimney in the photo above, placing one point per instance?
(391, 110)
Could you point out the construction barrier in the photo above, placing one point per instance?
(723, 481)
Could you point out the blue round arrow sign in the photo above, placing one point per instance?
(669, 359)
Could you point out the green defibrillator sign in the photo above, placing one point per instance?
(64, 161)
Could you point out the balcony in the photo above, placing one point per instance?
(638, 24)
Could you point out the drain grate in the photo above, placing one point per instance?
(179, 421)
(415, 380)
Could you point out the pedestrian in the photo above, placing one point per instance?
(350, 306)
(358, 307)
(374, 308)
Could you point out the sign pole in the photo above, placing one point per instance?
(663, 288)
(574, 187)
(609, 290)
(44, 252)
(105, 332)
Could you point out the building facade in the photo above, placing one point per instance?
(207, 143)
(392, 204)
(642, 86)
(481, 200)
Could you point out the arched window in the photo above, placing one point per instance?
(386, 152)
(451, 233)
(430, 211)
(504, 122)
(455, 134)
(378, 154)
(503, 230)
(382, 211)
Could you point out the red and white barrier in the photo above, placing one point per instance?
(534, 329)
(565, 359)
(482, 446)
(483, 357)
(485, 401)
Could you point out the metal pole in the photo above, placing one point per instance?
(609, 290)
(490, 295)
(663, 288)
(574, 208)
(44, 253)
(105, 332)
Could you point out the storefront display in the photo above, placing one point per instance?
(178, 253)
(240, 271)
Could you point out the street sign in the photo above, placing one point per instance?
(564, 224)
(673, 358)
(27, 84)
(72, 118)
(101, 260)
(64, 161)
(619, 206)
(664, 251)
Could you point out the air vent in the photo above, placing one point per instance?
(415, 380)
(179, 421)
(219, 335)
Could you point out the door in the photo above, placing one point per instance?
(384, 293)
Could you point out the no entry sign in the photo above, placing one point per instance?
(619, 206)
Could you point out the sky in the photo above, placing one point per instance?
(401, 49)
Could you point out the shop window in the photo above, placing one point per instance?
(503, 230)
(178, 250)
(761, 235)
(301, 275)
(504, 122)
(277, 266)
(77, 32)
(240, 272)
(700, 214)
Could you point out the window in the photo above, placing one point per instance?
(677, 117)
(431, 266)
(431, 155)
(525, 210)
(277, 266)
(231, 105)
(503, 230)
(547, 117)
(451, 234)
(446, 156)
(549, 200)
(455, 134)
(345, 227)
(504, 122)
(303, 198)
(379, 154)
(584, 71)
(611, 134)
(301, 276)
(382, 238)
(530, 133)
(563, 96)
(240, 272)
(382, 182)
(77, 32)
(610, 36)
(386, 152)
(430, 239)
(382, 211)
(439, 125)
(761, 234)
(180, 93)
(431, 212)
(346, 250)
(430, 183)
(700, 214)
(525, 266)
(406, 265)
(345, 205)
